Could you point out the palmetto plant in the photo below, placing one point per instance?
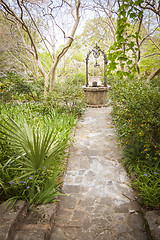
(35, 148)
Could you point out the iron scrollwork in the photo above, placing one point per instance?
(96, 53)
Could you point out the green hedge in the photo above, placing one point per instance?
(136, 114)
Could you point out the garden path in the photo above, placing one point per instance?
(99, 202)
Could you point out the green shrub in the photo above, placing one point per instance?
(77, 79)
(147, 184)
(136, 112)
(15, 87)
(68, 96)
(34, 136)
(32, 154)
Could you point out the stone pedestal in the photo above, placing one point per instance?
(96, 96)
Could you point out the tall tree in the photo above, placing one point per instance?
(14, 57)
(35, 22)
(107, 11)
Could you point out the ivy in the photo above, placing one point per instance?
(119, 55)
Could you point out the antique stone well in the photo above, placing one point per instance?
(95, 92)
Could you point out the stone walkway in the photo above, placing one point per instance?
(99, 203)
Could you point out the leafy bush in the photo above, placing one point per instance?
(15, 87)
(32, 154)
(68, 96)
(34, 137)
(77, 79)
(136, 112)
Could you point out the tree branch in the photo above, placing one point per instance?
(151, 55)
(67, 45)
(153, 75)
(154, 43)
(137, 39)
(38, 30)
(149, 35)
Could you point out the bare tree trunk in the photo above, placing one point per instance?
(53, 75)
(66, 47)
(46, 85)
(153, 75)
(45, 76)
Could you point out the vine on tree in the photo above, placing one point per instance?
(122, 54)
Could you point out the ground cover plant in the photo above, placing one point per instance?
(136, 115)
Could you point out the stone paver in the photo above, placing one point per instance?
(10, 218)
(99, 202)
(36, 225)
(153, 219)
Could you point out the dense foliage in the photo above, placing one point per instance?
(136, 49)
(68, 95)
(34, 138)
(136, 113)
(14, 86)
(32, 150)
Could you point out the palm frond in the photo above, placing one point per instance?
(36, 148)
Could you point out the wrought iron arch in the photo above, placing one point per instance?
(96, 53)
